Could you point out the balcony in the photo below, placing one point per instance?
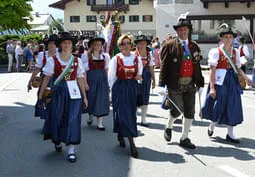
(110, 7)
(226, 2)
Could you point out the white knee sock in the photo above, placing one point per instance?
(71, 150)
(212, 126)
(231, 132)
(186, 127)
(170, 121)
(100, 122)
(144, 109)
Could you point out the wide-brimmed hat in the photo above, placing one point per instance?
(142, 37)
(226, 29)
(65, 36)
(53, 38)
(97, 37)
(182, 21)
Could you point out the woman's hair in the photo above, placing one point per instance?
(125, 36)
(91, 50)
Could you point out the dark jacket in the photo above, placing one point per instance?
(171, 56)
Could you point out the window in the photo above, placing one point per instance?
(122, 18)
(134, 18)
(184, 1)
(120, 2)
(147, 18)
(91, 18)
(74, 19)
(133, 2)
(91, 2)
(110, 2)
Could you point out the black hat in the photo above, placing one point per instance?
(53, 38)
(183, 21)
(141, 37)
(65, 36)
(97, 37)
(226, 29)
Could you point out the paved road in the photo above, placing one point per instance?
(25, 154)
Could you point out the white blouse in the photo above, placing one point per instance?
(127, 61)
(85, 61)
(48, 69)
(152, 59)
(213, 57)
(39, 59)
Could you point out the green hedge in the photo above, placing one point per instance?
(5, 38)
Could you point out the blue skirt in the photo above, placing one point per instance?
(226, 108)
(98, 93)
(124, 97)
(64, 122)
(145, 86)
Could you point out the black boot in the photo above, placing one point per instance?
(133, 150)
(168, 134)
(121, 141)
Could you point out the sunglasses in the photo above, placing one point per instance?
(125, 43)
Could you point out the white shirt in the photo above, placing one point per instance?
(213, 57)
(18, 51)
(48, 69)
(85, 60)
(39, 58)
(127, 61)
(152, 59)
(243, 59)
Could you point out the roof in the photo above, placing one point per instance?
(60, 4)
(41, 28)
(39, 19)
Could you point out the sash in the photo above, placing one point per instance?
(229, 59)
(62, 75)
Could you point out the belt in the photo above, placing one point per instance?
(184, 80)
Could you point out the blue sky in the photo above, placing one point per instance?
(42, 6)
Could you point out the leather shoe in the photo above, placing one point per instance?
(232, 140)
(209, 132)
(71, 160)
(186, 143)
(144, 124)
(101, 128)
(89, 122)
(58, 148)
(168, 134)
(133, 150)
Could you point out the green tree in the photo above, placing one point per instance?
(13, 14)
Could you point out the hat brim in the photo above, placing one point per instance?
(96, 39)
(228, 32)
(181, 25)
(138, 40)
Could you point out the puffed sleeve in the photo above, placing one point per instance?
(140, 66)
(246, 51)
(85, 63)
(107, 60)
(213, 57)
(39, 60)
(152, 59)
(80, 69)
(48, 69)
(112, 71)
(238, 62)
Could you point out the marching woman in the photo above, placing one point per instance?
(95, 63)
(125, 69)
(223, 101)
(64, 123)
(148, 77)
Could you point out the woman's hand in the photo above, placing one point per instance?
(85, 102)
(213, 93)
(86, 86)
(138, 77)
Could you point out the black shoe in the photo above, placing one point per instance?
(144, 124)
(232, 140)
(122, 141)
(89, 122)
(209, 132)
(186, 143)
(101, 128)
(133, 151)
(58, 148)
(168, 134)
(71, 160)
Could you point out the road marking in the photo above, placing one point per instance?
(232, 171)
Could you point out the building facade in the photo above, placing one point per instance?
(40, 23)
(82, 16)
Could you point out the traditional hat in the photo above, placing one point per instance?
(183, 21)
(226, 29)
(65, 36)
(141, 37)
(53, 38)
(99, 36)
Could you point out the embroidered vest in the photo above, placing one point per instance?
(145, 60)
(97, 64)
(241, 52)
(187, 64)
(223, 60)
(126, 72)
(71, 75)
